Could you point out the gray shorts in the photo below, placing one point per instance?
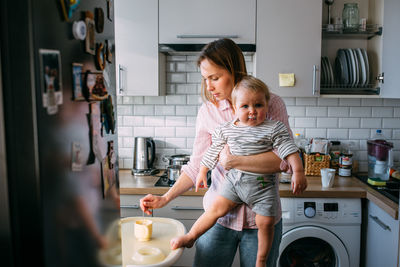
(256, 191)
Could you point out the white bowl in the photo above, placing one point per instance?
(148, 255)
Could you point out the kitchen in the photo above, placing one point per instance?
(169, 119)
(164, 102)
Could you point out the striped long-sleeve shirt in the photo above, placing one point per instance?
(210, 117)
(249, 140)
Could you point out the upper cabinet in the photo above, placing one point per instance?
(361, 61)
(289, 42)
(193, 21)
(140, 67)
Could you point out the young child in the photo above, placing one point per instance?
(249, 133)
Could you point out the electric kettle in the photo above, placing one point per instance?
(143, 156)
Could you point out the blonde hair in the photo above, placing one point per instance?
(226, 54)
(251, 84)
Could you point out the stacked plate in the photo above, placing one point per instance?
(352, 67)
(327, 76)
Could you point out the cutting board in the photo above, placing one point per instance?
(164, 229)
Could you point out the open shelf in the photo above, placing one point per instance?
(337, 31)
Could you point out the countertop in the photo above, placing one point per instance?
(344, 187)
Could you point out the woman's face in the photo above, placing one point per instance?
(218, 80)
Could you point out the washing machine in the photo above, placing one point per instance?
(320, 232)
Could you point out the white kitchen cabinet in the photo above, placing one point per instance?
(382, 238)
(383, 54)
(289, 41)
(140, 67)
(193, 21)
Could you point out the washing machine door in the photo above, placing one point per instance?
(312, 246)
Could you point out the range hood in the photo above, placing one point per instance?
(195, 47)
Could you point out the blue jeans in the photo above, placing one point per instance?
(217, 247)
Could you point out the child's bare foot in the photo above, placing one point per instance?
(182, 241)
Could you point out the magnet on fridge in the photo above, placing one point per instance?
(100, 57)
(99, 19)
(90, 45)
(68, 8)
(79, 30)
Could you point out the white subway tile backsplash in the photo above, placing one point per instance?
(391, 123)
(391, 102)
(175, 99)
(193, 77)
(168, 110)
(164, 131)
(333, 102)
(315, 133)
(360, 112)
(327, 122)
(155, 100)
(175, 142)
(176, 77)
(186, 110)
(194, 99)
(296, 111)
(124, 110)
(359, 133)
(175, 121)
(371, 102)
(316, 111)
(305, 122)
(371, 123)
(187, 89)
(171, 119)
(129, 141)
(125, 131)
(338, 111)
(144, 131)
(349, 122)
(337, 134)
(125, 152)
(306, 101)
(133, 120)
(154, 121)
(382, 112)
(350, 102)
(143, 110)
(185, 131)
(396, 113)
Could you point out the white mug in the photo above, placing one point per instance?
(327, 177)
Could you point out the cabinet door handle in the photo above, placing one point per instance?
(186, 208)
(135, 206)
(380, 223)
(121, 79)
(216, 36)
(314, 80)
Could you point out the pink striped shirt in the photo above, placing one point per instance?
(208, 118)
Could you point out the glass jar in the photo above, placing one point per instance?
(350, 17)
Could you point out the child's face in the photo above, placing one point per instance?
(251, 107)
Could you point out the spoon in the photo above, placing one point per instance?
(329, 3)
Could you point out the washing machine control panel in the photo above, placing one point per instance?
(329, 210)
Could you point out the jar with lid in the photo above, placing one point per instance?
(350, 17)
(335, 151)
(346, 163)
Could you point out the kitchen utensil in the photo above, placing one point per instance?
(144, 155)
(329, 3)
(173, 173)
(180, 159)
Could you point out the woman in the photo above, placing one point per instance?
(222, 65)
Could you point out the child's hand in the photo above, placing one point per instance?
(299, 182)
(201, 179)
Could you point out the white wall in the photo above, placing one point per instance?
(171, 119)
